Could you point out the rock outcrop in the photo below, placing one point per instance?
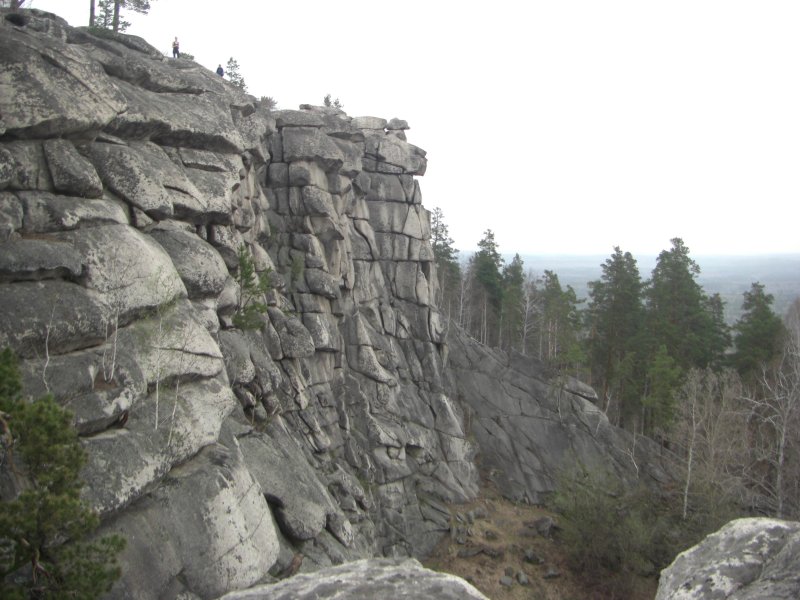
(531, 426)
(366, 579)
(747, 559)
(132, 187)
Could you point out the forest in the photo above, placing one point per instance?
(723, 399)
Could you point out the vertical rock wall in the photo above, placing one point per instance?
(128, 185)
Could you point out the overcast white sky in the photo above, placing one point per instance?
(565, 126)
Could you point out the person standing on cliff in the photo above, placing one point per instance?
(220, 71)
(176, 50)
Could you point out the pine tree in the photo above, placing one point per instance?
(42, 550)
(759, 333)
(253, 286)
(664, 377)
(560, 325)
(615, 317)
(485, 268)
(445, 256)
(234, 76)
(513, 303)
(679, 315)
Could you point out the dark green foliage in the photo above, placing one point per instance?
(560, 324)
(234, 76)
(512, 303)
(679, 315)
(42, 552)
(664, 377)
(254, 287)
(613, 533)
(487, 290)
(604, 526)
(759, 333)
(614, 318)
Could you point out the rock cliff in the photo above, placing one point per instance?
(133, 191)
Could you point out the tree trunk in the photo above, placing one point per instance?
(115, 23)
(91, 13)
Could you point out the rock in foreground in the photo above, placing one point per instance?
(745, 560)
(366, 579)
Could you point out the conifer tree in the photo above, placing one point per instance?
(513, 303)
(759, 333)
(485, 268)
(560, 324)
(679, 315)
(445, 256)
(235, 77)
(42, 550)
(615, 317)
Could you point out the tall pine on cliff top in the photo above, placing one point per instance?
(42, 554)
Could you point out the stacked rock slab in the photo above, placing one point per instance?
(129, 184)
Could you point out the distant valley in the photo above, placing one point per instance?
(730, 276)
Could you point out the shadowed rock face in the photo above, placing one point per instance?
(336, 430)
(747, 559)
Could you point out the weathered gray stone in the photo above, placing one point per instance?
(310, 144)
(127, 173)
(177, 119)
(394, 152)
(10, 216)
(32, 259)
(206, 525)
(6, 168)
(55, 314)
(300, 502)
(64, 91)
(163, 430)
(748, 559)
(129, 269)
(199, 265)
(396, 123)
(45, 212)
(369, 123)
(28, 166)
(366, 580)
(72, 174)
(296, 341)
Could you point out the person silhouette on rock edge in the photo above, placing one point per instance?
(176, 49)
(220, 71)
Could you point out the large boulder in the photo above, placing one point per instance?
(748, 559)
(204, 530)
(366, 580)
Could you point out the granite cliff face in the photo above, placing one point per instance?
(339, 428)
